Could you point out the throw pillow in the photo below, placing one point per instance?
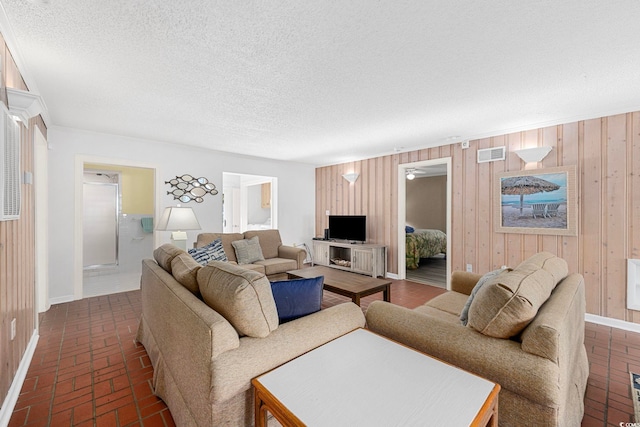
(241, 296)
(211, 252)
(185, 271)
(505, 306)
(409, 229)
(165, 254)
(464, 315)
(248, 250)
(298, 297)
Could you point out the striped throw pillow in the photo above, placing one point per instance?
(212, 252)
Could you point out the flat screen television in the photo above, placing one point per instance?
(348, 227)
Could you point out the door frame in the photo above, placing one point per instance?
(402, 213)
(41, 181)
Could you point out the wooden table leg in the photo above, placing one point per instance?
(356, 300)
(260, 411)
(386, 294)
(493, 421)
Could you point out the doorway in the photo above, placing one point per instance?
(435, 176)
(115, 226)
(249, 202)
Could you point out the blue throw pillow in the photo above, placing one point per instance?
(212, 252)
(298, 297)
(409, 229)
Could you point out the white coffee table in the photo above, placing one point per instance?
(363, 379)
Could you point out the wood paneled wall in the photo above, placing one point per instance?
(17, 249)
(606, 153)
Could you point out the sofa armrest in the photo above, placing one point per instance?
(180, 333)
(289, 252)
(463, 282)
(234, 370)
(499, 360)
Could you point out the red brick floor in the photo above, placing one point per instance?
(612, 353)
(89, 371)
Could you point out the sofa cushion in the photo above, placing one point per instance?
(185, 271)
(165, 254)
(242, 296)
(448, 302)
(270, 241)
(298, 297)
(277, 265)
(505, 305)
(248, 250)
(426, 309)
(211, 252)
(464, 314)
(254, 267)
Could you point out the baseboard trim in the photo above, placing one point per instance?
(613, 323)
(16, 385)
(60, 300)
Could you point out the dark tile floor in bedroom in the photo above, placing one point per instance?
(88, 371)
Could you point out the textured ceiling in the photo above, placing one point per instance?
(325, 81)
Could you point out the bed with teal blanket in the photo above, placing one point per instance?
(424, 244)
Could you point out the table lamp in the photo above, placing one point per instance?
(178, 219)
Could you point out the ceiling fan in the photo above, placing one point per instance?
(412, 173)
(426, 171)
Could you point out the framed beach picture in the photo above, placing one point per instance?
(540, 201)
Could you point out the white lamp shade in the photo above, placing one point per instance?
(178, 218)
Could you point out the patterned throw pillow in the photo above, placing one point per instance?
(212, 252)
(248, 250)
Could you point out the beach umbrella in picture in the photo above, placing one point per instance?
(523, 185)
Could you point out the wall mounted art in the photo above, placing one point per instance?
(187, 188)
(538, 201)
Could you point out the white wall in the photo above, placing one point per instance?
(296, 201)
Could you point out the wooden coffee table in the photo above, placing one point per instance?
(352, 285)
(364, 379)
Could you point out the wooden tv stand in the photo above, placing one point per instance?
(361, 258)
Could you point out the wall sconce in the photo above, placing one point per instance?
(535, 154)
(351, 177)
(178, 219)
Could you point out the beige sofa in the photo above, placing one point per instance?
(205, 358)
(540, 363)
(278, 258)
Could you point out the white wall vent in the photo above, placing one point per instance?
(10, 193)
(491, 154)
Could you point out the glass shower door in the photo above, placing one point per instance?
(100, 224)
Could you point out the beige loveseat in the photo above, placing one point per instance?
(540, 364)
(278, 258)
(204, 358)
